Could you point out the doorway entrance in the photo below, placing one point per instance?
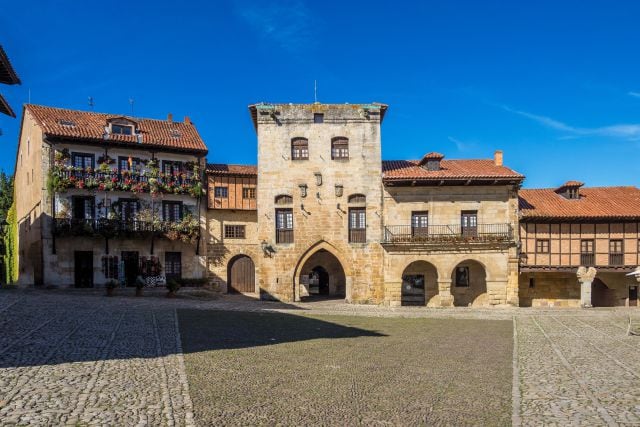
(633, 296)
(241, 274)
(131, 261)
(322, 276)
(83, 269)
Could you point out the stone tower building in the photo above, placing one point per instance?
(319, 199)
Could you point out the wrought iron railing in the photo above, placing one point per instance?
(284, 235)
(407, 234)
(616, 259)
(357, 235)
(113, 227)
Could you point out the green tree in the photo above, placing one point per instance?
(8, 237)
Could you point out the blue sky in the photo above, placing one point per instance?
(556, 85)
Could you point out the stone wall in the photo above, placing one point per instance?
(321, 218)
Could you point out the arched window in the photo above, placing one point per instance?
(284, 199)
(358, 199)
(299, 149)
(339, 148)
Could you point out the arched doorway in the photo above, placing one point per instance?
(601, 295)
(419, 284)
(241, 274)
(322, 276)
(469, 284)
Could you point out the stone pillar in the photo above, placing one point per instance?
(513, 285)
(444, 290)
(393, 294)
(585, 277)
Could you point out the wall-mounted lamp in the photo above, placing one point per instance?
(339, 190)
(303, 190)
(267, 249)
(318, 178)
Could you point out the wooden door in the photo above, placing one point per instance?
(131, 261)
(633, 296)
(83, 269)
(242, 275)
(469, 223)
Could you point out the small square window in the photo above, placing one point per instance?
(249, 193)
(234, 232)
(318, 118)
(221, 192)
(542, 246)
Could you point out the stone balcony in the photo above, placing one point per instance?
(447, 234)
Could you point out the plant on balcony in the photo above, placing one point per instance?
(187, 229)
(106, 160)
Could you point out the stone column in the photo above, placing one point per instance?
(513, 285)
(444, 291)
(585, 277)
(393, 294)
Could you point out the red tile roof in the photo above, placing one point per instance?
(237, 170)
(481, 169)
(90, 126)
(5, 108)
(594, 203)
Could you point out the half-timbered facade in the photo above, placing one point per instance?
(571, 227)
(104, 197)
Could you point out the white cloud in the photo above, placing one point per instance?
(623, 131)
(634, 94)
(287, 23)
(462, 145)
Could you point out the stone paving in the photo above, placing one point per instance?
(77, 358)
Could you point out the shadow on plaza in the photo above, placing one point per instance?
(148, 328)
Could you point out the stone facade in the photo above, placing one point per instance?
(48, 255)
(321, 192)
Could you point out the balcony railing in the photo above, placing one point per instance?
(118, 228)
(284, 235)
(406, 234)
(588, 260)
(357, 235)
(183, 183)
(616, 259)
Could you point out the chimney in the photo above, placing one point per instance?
(497, 158)
(187, 120)
(170, 118)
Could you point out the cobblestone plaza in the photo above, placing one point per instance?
(82, 359)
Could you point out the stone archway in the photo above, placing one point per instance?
(469, 284)
(322, 275)
(420, 284)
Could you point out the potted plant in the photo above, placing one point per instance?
(173, 287)
(139, 286)
(111, 287)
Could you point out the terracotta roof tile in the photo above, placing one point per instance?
(224, 169)
(594, 202)
(90, 126)
(397, 170)
(5, 108)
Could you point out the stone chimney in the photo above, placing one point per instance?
(170, 118)
(497, 158)
(187, 120)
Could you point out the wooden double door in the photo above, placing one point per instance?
(241, 275)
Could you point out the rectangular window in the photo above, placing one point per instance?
(357, 225)
(284, 225)
(542, 246)
(125, 165)
(121, 129)
(587, 252)
(249, 193)
(339, 148)
(532, 282)
(234, 231)
(83, 207)
(616, 252)
(171, 167)
(318, 118)
(172, 211)
(128, 209)
(419, 223)
(173, 265)
(221, 192)
(462, 276)
(82, 160)
(469, 223)
(299, 149)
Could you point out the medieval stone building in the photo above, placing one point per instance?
(104, 197)
(322, 214)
